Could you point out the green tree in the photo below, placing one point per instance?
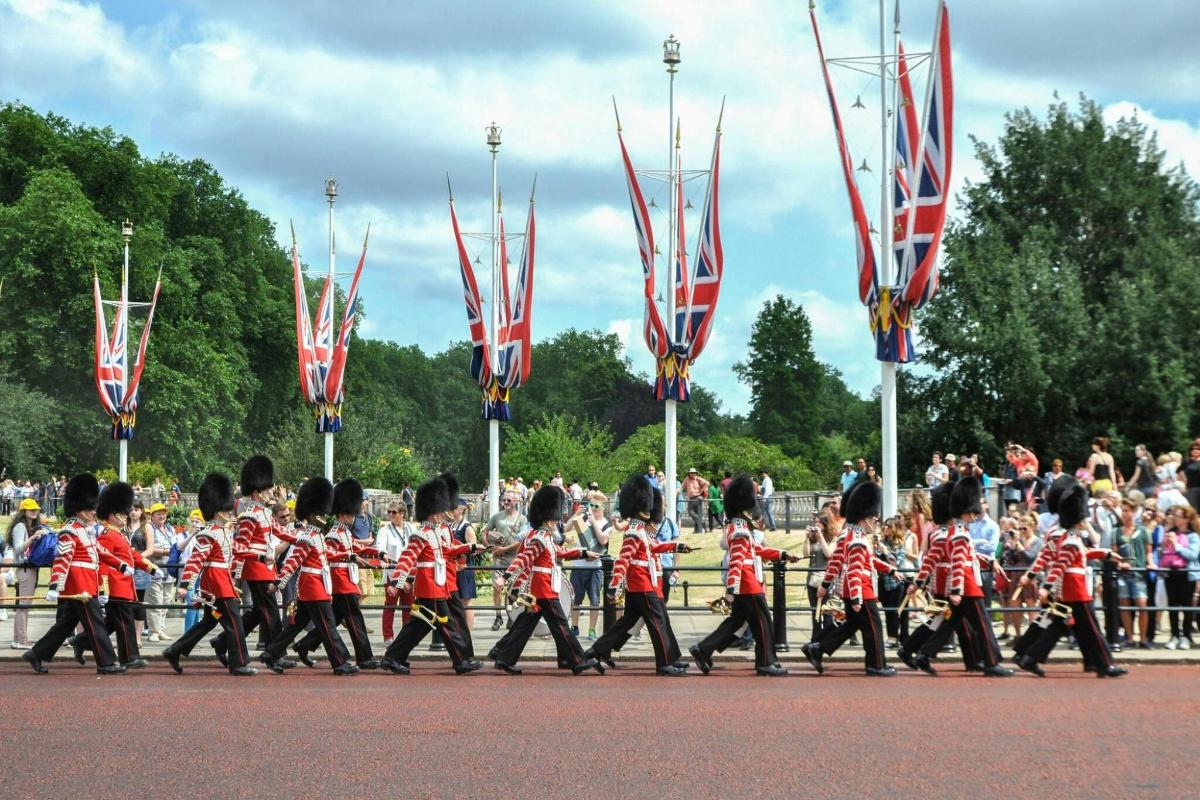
(1069, 293)
(784, 376)
(559, 443)
(394, 466)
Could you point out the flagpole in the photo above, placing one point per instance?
(126, 234)
(671, 59)
(493, 354)
(887, 395)
(331, 188)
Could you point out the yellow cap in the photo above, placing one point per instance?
(157, 507)
(291, 504)
(29, 504)
(196, 515)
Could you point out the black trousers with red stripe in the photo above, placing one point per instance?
(71, 613)
(320, 614)
(119, 619)
(968, 639)
(867, 621)
(264, 610)
(747, 608)
(347, 611)
(416, 629)
(226, 615)
(509, 648)
(458, 622)
(970, 611)
(648, 607)
(1092, 645)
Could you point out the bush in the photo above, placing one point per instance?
(392, 467)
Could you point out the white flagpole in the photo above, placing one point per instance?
(331, 188)
(127, 234)
(493, 354)
(887, 396)
(671, 59)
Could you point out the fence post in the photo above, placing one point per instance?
(1108, 596)
(685, 593)
(610, 610)
(787, 513)
(779, 605)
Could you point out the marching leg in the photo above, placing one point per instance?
(458, 623)
(556, 621)
(728, 628)
(872, 631)
(509, 649)
(395, 658)
(235, 637)
(1092, 644)
(759, 616)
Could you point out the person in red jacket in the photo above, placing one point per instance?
(254, 554)
(935, 574)
(210, 564)
(1040, 570)
(75, 581)
(116, 503)
(314, 502)
(1070, 580)
(637, 571)
(345, 555)
(859, 571)
(537, 567)
(744, 584)
(423, 566)
(966, 586)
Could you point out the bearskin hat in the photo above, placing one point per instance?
(1054, 493)
(347, 497)
(82, 494)
(862, 502)
(451, 487)
(216, 494)
(117, 498)
(258, 473)
(739, 498)
(1072, 505)
(657, 512)
(314, 499)
(545, 506)
(939, 502)
(967, 497)
(433, 497)
(636, 498)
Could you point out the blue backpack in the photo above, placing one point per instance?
(44, 550)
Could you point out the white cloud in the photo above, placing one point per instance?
(1180, 140)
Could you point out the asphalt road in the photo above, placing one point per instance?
(628, 734)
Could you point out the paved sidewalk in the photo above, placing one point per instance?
(691, 625)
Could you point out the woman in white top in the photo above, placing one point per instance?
(26, 528)
(392, 538)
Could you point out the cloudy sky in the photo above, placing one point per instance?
(390, 96)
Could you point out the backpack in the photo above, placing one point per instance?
(44, 550)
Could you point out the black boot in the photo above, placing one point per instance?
(79, 647)
(219, 648)
(702, 661)
(173, 659)
(812, 651)
(34, 662)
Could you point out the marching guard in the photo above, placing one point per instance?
(255, 556)
(344, 554)
(75, 581)
(422, 566)
(454, 603)
(307, 557)
(1070, 581)
(209, 567)
(537, 564)
(935, 567)
(638, 573)
(1049, 618)
(116, 503)
(966, 587)
(744, 590)
(860, 508)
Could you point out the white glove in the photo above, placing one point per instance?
(52, 595)
(126, 569)
(102, 600)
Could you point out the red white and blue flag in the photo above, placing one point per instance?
(517, 342)
(118, 398)
(682, 289)
(335, 377)
(710, 264)
(481, 369)
(653, 330)
(310, 381)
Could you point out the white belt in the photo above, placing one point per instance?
(638, 563)
(312, 571)
(1075, 571)
(217, 565)
(84, 565)
(261, 549)
(345, 565)
(425, 564)
(545, 570)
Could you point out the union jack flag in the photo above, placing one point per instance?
(481, 370)
(118, 398)
(710, 264)
(682, 289)
(311, 385)
(918, 275)
(518, 334)
(323, 332)
(653, 330)
(506, 300)
(334, 388)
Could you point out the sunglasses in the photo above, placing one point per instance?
(595, 505)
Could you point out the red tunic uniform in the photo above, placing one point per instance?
(77, 562)
(1070, 574)
(120, 584)
(936, 563)
(1047, 555)
(745, 571)
(538, 559)
(965, 579)
(638, 566)
(425, 558)
(307, 554)
(343, 550)
(212, 552)
(862, 569)
(252, 544)
(452, 564)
